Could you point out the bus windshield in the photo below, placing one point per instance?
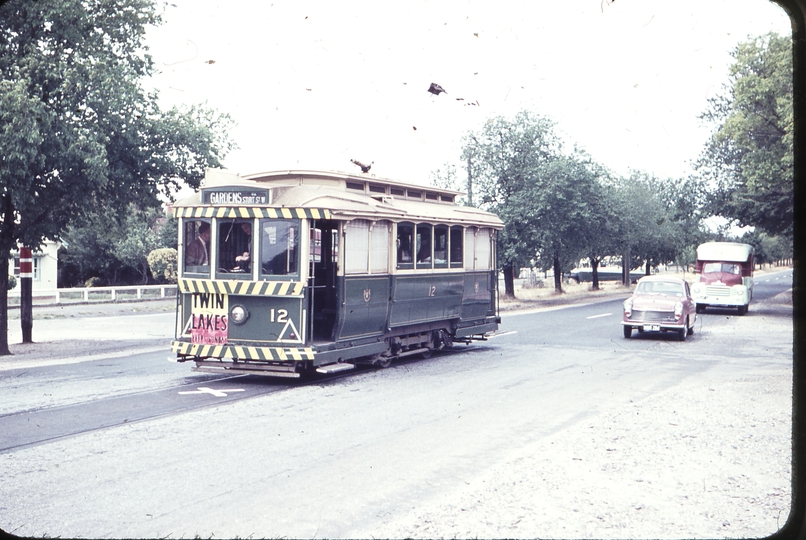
(726, 268)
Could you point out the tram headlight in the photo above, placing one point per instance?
(238, 314)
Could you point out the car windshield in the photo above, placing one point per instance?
(671, 288)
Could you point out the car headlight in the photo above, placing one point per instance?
(696, 287)
(238, 314)
(678, 309)
(628, 307)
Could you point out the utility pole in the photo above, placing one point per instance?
(26, 294)
(469, 182)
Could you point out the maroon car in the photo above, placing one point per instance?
(660, 304)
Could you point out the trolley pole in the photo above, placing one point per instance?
(26, 294)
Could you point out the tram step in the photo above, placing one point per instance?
(335, 368)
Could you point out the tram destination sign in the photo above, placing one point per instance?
(230, 197)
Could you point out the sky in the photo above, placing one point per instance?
(316, 84)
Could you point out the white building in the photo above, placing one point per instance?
(46, 267)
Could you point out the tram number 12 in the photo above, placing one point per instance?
(280, 315)
(432, 291)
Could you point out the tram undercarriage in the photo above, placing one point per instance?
(336, 357)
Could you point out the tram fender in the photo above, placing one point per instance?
(356, 351)
(475, 330)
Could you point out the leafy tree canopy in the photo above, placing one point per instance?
(749, 159)
(77, 130)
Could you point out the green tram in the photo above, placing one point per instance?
(286, 273)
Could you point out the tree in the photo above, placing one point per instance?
(564, 209)
(505, 156)
(77, 130)
(748, 161)
(138, 239)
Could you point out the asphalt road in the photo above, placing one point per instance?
(138, 446)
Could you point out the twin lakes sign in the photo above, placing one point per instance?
(209, 324)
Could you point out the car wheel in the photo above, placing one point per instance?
(681, 334)
(691, 328)
(742, 310)
(700, 308)
(627, 331)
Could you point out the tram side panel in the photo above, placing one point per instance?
(425, 298)
(478, 304)
(366, 306)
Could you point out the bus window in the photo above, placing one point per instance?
(279, 252)
(457, 249)
(405, 235)
(235, 246)
(424, 246)
(196, 241)
(440, 246)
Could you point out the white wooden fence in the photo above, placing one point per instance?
(96, 294)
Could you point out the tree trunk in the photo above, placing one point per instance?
(648, 268)
(594, 273)
(4, 255)
(625, 267)
(558, 276)
(509, 280)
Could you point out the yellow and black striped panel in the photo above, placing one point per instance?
(224, 212)
(268, 354)
(244, 288)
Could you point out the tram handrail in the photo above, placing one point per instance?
(95, 294)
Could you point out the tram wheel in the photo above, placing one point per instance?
(382, 361)
(426, 354)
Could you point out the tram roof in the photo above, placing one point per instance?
(346, 196)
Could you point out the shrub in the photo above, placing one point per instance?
(163, 264)
(12, 282)
(93, 282)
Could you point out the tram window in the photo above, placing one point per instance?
(235, 246)
(405, 245)
(279, 254)
(356, 254)
(470, 247)
(457, 237)
(196, 241)
(483, 249)
(441, 246)
(379, 248)
(424, 246)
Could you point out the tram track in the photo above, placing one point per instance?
(30, 427)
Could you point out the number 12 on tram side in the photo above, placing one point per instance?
(291, 272)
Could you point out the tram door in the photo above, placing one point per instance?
(324, 258)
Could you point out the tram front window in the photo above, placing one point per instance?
(235, 246)
(197, 246)
(279, 254)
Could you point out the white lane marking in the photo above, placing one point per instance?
(507, 333)
(216, 393)
(598, 316)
